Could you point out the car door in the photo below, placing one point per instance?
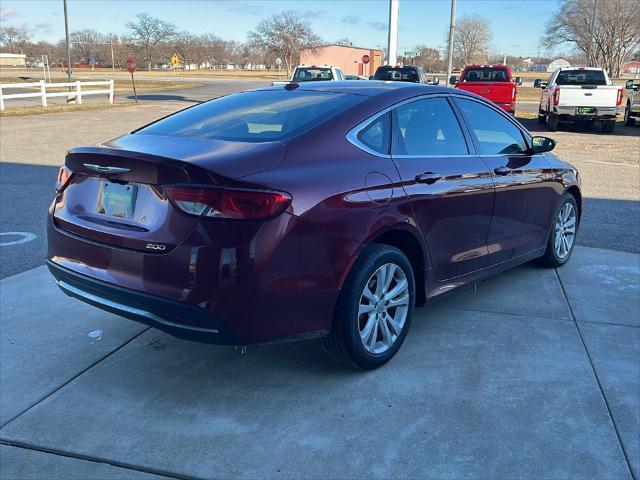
(524, 182)
(449, 187)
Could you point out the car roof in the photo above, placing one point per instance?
(370, 88)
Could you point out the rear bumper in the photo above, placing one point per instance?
(161, 313)
(600, 113)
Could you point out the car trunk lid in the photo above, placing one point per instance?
(117, 193)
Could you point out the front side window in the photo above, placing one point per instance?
(495, 134)
(258, 116)
(427, 127)
(376, 134)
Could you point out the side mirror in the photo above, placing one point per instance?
(629, 84)
(542, 144)
(452, 80)
(435, 81)
(537, 83)
(518, 80)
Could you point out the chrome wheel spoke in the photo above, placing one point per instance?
(565, 229)
(386, 292)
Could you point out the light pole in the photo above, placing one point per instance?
(66, 36)
(452, 27)
(394, 6)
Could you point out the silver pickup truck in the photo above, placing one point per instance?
(632, 108)
(580, 96)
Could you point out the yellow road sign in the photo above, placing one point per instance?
(175, 59)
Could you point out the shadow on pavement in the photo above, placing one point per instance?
(621, 129)
(162, 98)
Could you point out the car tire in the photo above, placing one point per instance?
(628, 119)
(558, 253)
(362, 338)
(608, 125)
(552, 122)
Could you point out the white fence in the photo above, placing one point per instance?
(77, 91)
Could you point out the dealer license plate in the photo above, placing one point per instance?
(117, 200)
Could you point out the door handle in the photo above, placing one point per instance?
(502, 171)
(428, 177)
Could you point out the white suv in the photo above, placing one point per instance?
(315, 73)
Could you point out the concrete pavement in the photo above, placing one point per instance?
(533, 374)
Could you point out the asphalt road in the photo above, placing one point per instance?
(33, 147)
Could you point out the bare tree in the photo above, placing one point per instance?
(86, 45)
(428, 58)
(284, 34)
(472, 40)
(616, 30)
(147, 34)
(15, 40)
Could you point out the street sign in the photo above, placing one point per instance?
(131, 65)
(278, 61)
(410, 54)
(175, 60)
(366, 59)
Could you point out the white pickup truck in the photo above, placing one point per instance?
(314, 73)
(581, 96)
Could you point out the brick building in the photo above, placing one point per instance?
(345, 57)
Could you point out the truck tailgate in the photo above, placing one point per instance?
(498, 92)
(588, 96)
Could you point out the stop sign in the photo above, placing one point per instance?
(365, 59)
(131, 65)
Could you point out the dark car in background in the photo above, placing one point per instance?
(325, 209)
(400, 74)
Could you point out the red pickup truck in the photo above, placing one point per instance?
(493, 82)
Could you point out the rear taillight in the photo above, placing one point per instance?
(230, 204)
(64, 176)
(619, 99)
(556, 96)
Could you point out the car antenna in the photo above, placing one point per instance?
(291, 86)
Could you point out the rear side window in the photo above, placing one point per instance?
(376, 135)
(495, 134)
(485, 75)
(581, 77)
(427, 127)
(258, 116)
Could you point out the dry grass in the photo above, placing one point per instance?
(39, 110)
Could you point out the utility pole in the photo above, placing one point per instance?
(113, 62)
(591, 32)
(66, 36)
(452, 27)
(394, 6)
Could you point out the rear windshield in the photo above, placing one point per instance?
(485, 75)
(581, 77)
(402, 74)
(312, 74)
(258, 116)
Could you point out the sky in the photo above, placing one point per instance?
(517, 25)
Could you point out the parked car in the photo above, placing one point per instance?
(313, 209)
(315, 73)
(355, 77)
(400, 74)
(632, 107)
(581, 96)
(493, 82)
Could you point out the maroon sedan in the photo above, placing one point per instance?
(321, 209)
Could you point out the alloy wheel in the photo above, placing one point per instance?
(383, 308)
(565, 231)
